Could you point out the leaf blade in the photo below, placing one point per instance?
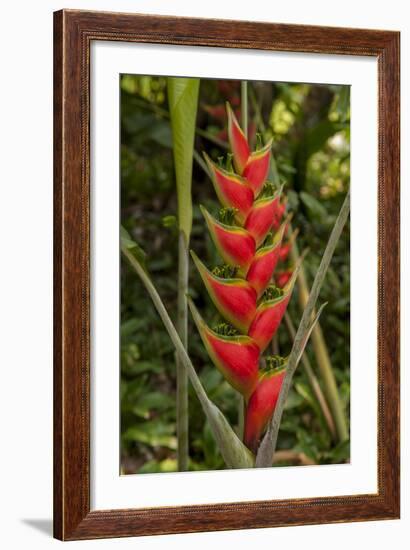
(183, 101)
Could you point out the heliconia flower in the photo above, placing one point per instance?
(259, 220)
(282, 277)
(269, 314)
(235, 299)
(235, 244)
(231, 189)
(257, 168)
(236, 357)
(242, 288)
(238, 142)
(264, 263)
(261, 405)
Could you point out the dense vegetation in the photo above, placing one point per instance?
(310, 128)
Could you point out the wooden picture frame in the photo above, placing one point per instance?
(73, 33)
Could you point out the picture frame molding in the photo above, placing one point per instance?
(73, 32)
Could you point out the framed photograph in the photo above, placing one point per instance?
(226, 259)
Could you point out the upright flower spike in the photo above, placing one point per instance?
(257, 168)
(235, 244)
(232, 190)
(238, 142)
(259, 220)
(242, 289)
(262, 403)
(236, 357)
(269, 315)
(264, 263)
(235, 299)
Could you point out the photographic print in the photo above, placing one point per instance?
(226, 329)
(230, 192)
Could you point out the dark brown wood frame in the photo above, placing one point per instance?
(73, 33)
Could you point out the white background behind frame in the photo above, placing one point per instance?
(27, 521)
(108, 489)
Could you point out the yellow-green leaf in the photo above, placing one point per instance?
(183, 105)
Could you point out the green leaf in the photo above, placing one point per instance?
(305, 392)
(318, 135)
(183, 104)
(316, 208)
(153, 433)
(169, 221)
(127, 243)
(161, 134)
(152, 401)
(128, 327)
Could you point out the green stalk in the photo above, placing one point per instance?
(322, 358)
(268, 446)
(183, 104)
(182, 377)
(233, 451)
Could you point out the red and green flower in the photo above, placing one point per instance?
(247, 292)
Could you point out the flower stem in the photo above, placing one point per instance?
(268, 446)
(182, 376)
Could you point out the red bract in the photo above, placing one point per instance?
(282, 277)
(232, 190)
(269, 315)
(277, 217)
(257, 168)
(238, 142)
(249, 239)
(237, 357)
(284, 252)
(261, 406)
(235, 299)
(235, 244)
(261, 270)
(259, 220)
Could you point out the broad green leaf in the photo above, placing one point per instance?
(183, 104)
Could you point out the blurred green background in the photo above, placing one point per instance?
(311, 132)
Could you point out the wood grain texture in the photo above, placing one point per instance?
(73, 32)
